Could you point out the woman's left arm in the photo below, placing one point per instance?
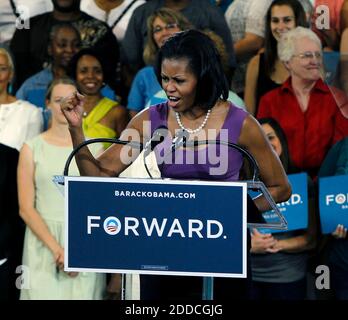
(271, 170)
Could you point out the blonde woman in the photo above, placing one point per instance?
(162, 24)
(42, 209)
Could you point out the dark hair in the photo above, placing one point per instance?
(284, 157)
(270, 55)
(203, 60)
(64, 25)
(107, 72)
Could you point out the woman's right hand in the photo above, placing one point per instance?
(72, 108)
(58, 255)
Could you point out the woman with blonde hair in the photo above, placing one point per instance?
(42, 209)
(162, 24)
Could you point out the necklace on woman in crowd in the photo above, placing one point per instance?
(177, 116)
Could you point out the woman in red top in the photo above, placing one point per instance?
(304, 105)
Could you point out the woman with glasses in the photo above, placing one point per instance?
(162, 24)
(304, 106)
(265, 71)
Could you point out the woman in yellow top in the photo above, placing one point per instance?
(103, 117)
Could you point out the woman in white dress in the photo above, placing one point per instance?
(42, 209)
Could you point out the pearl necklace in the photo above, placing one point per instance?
(177, 116)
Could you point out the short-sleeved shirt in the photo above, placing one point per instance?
(19, 121)
(310, 134)
(144, 86)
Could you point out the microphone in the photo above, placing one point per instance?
(157, 138)
(180, 139)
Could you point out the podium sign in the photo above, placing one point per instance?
(333, 202)
(171, 227)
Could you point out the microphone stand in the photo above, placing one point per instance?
(179, 140)
(132, 144)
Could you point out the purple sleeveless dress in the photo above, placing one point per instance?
(204, 163)
(183, 288)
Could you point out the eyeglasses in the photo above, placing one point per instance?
(168, 26)
(308, 55)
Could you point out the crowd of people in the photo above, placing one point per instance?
(270, 73)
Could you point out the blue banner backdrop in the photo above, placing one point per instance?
(156, 226)
(333, 202)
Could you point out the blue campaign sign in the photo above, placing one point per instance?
(295, 210)
(333, 202)
(156, 226)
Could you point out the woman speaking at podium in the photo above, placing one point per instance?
(189, 69)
